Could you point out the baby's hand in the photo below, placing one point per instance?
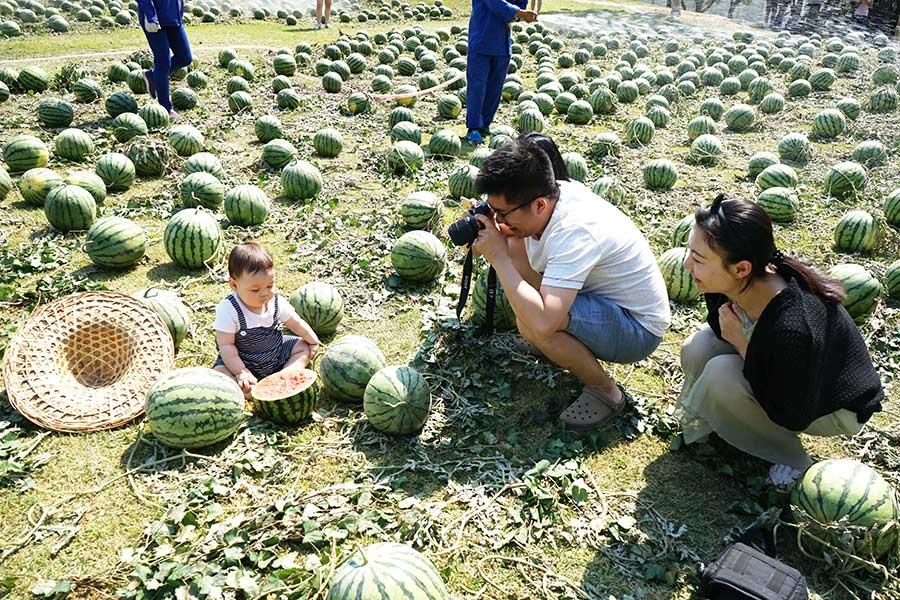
(313, 349)
(246, 380)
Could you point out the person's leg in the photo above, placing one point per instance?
(477, 70)
(494, 89)
(299, 356)
(159, 44)
(319, 13)
(735, 415)
(327, 13)
(699, 348)
(538, 11)
(180, 47)
(840, 422)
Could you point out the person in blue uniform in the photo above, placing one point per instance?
(488, 60)
(161, 22)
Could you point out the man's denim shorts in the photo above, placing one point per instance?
(609, 331)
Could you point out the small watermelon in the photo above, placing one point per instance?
(397, 400)
(348, 365)
(418, 256)
(287, 397)
(320, 305)
(173, 311)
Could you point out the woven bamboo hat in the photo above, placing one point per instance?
(86, 361)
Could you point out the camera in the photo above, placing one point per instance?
(464, 231)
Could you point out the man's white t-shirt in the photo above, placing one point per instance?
(591, 246)
(227, 317)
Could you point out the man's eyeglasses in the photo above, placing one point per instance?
(502, 214)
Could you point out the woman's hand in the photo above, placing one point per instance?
(151, 26)
(732, 327)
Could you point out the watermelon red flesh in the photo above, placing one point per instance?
(287, 396)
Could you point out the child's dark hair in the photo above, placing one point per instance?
(741, 230)
(249, 257)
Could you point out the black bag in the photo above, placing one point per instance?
(744, 573)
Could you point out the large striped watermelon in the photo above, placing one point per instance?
(397, 400)
(268, 128)
(116, 170)
(348, 365)
(55, 113)
(150, 156)
(856, 232)
(246, 205)
(780, 203)
(328, 142)
(192, 237)
(387, 571)
(6, 183)
(740, 117)
(89, 181)
(444, 143)
(194, 407)
(462, 182)
(24, 152)
(70, 208)
(172, 310)
(845, 180)
(206, 162)
(186, 139)
(828, 124)
(418, 256)
(73, 144)
(405, 156)
(201, 189)
(301, 180)
(35, 184)
(679, 282)
(320, 305)
(504, 316)
(777, 175)
(115, 242)
(862, 289)
(892, 279)
(892, 208)
(660, 174)
(286, 397)
(419, 209)
(846, 489)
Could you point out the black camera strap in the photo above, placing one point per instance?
(466, 284)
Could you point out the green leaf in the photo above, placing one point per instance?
(52, 588)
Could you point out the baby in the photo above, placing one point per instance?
(248, 322)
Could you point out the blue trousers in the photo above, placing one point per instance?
(485, 75)
(171, 51)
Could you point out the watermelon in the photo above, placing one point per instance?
(192, 238)
(301, 180)
(602, 100)
(120, 102)
(892, 279)
(444, 143)
(320, 305)
(418, 256)
(127, 126)
(328, 142)
(405, 156)
(683, 230)
(660, 174)
(186, 139)
(794, 147)
(462, 182)
(155, 116)
(116, 170)
(581, 113)
(397, 400)
(870, 153)
(400, 114)
(278, 153)
(850, 107)
(862, 290)
(268, 128)
(883, 100)
(530, 120)
(24, 152)
(35, 184)
(706, 150)
(679, 282)
(287, 397)
(115, 242)
(828, 124)
(449, 106)
(892, 208)
(70, 208)
(332, 82)
(627, 92)
(576, 165)
(740, 118)
(699, 126)
(848, 490)
(246, 205)
(55, 113)
(639, 131)
(605, 144)
(150, 156)
(286, 99)
(504, 317)
(73, 144)
(194, 407)
(780, 203)
(777, 175)
(856, 232)
(759, 162)
(404, 130)
(205, 162)
(713, 108)
(348, 365)
(387, 571)
(201, 189)
(357, 103)
(845, 180)
(170, 308)
(6, 183)
(89, 181)
(33, 79)
(420, 209)
(772, 103)
(86, 90)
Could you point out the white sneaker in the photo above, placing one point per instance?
(327, 25)
(317, 26)
(783, 476)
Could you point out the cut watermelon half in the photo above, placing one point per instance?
(286, 397)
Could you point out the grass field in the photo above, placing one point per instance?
(614, 513)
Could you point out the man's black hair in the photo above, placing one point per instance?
(520, 172)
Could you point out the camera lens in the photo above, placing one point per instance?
(464, 231)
